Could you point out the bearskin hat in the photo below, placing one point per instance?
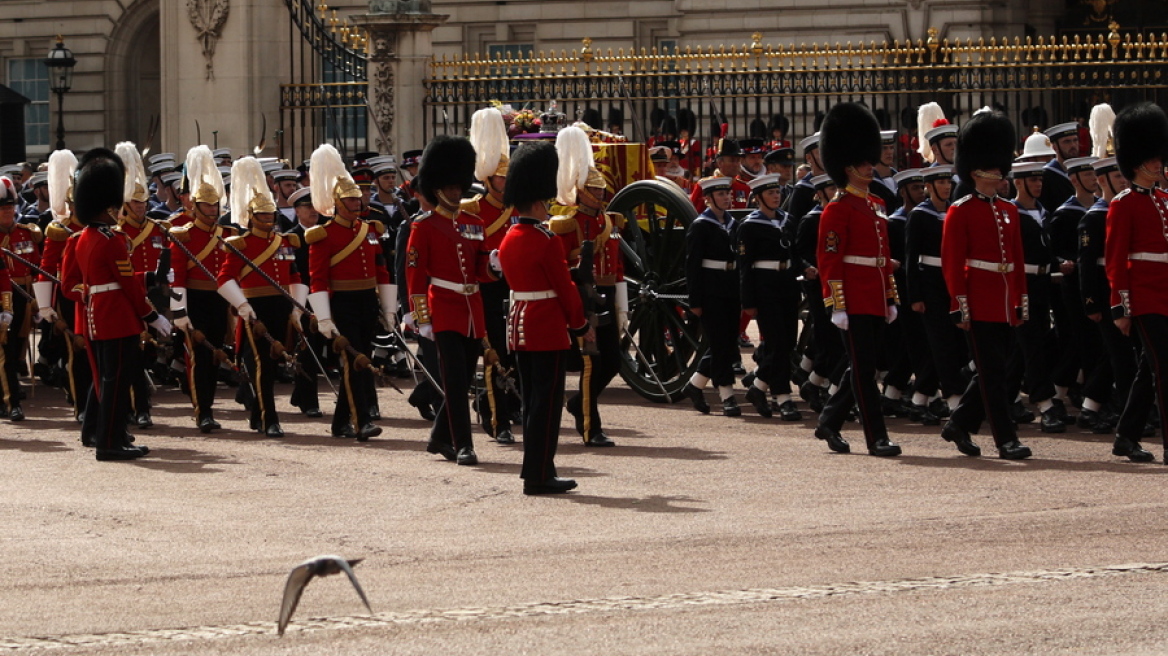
(533, 174)
(97, 186)
(984, 142)
(850, 136)
(669, 126)
(591, 117)
(446, 161)
(1140, 133)
(779, 122)
(757, 129)
(687, 121)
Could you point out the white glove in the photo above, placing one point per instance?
(246, 312)
(43, 291)
(622, 305)
(496, 265)
(387, 294)
(327, 328)
(892, 313)
(426, 330)
(5, 319)
(300, 293)
(840, 319)
(184, 324)
(47, 313)
(408, 322)
(170, 277)
(161, 325)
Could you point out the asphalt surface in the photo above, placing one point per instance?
(695, 535)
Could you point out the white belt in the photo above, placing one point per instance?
(930, 260)
(865, 261)
(466, 289)
(1036, 269)
(1101, 261)
(533, 296)
(997, 267)
(720, 265)
(773, 265)
(1149, 257)
(108, 287)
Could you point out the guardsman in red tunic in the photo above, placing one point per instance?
(259, 305)
(56, 346)
(546, 311)
(193, 300)
(983, 261)
(1136, 254)
(583, 187)
(23, 240)
(488, 135)
(150, 257)
(116, 309)
(445, 262)
(351, 290)
(855, 270)
(729, 162)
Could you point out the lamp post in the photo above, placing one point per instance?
(60, 63)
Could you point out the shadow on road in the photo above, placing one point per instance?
(183, 461)
(652, 504)
(665, 452)
(992, 463)
(33, 446)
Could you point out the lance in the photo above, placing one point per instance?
(30, 265)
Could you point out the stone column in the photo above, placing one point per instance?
(400, 50)
(225, 79)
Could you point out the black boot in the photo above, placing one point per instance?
(759, 400)
(697, 398)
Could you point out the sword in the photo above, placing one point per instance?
(645, 361)
(155, 120)
(414, 360)
(31, 266)
(263, 136)
(198, 133)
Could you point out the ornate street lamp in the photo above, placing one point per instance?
(60, 63)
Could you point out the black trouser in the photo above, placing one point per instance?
(114, 363)
(1098, 372)
(827, 349)
(425, 394)
(598, 371)
(457, 357)
(948, 347)
(778, 327)
(255, 355)
(863, 340)
(894, 358)
(1066, 354)
(990, 344)
(499, 404)
(207, 311)
(1029, 367)
(916, 340)
(720, 323)
(305, 394)
(1123, 356)
(139, 385)
(357, 315)
(541, 376)
(1149, 385)
(14, 347)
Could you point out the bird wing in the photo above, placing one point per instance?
(297, 580)
(345, 565)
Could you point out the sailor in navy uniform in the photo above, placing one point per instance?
(1056, 182)
(885, 186)
(802, 198)
(823, 359)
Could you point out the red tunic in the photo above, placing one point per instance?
(115, 298)
(346, 255)
(1137, 222)
(447, 248)
(533, 261)
(203, 242)
(855, 227)
(25, 240)
(987, 231)
(275, 253)
(496, 220)
(603, 229)
(56, 234)
(739, 195)
(147, 242)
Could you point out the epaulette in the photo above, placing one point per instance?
(165, 225)
(57, 232)
(378, 226)
(562, 225)
(544, 229)
(961, 200)
(34, 232)
(471, 205)
(180, 234)
(238, 241)
(422, 217)
(1125, 192)
(619, 220)
(315, 233)
(292, 238)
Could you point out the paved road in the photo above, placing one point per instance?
(697, 534)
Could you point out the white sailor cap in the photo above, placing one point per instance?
(908, 175)
(821, 182)
(1105, 165)
(285, 174)
(1023, 170)
(160, 157)
(38, 178)
(1077, 164)
(808, 144)
(221, 152)
(1062, 130)
(764, 182)
(937, 172)
(224, 170)
(161, 167)
(888, 137)
(940, 132)
(302, 196)
(172, 178)
(710, 185)
(272, 167)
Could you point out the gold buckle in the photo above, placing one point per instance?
(730, 266)
(881, 261)
(470, 288)
(1004, 267)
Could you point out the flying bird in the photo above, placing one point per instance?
(304, 572)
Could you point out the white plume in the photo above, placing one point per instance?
(1101, 122)
(575, 151)
(488, 135)
(62, 164)
(927, 115)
